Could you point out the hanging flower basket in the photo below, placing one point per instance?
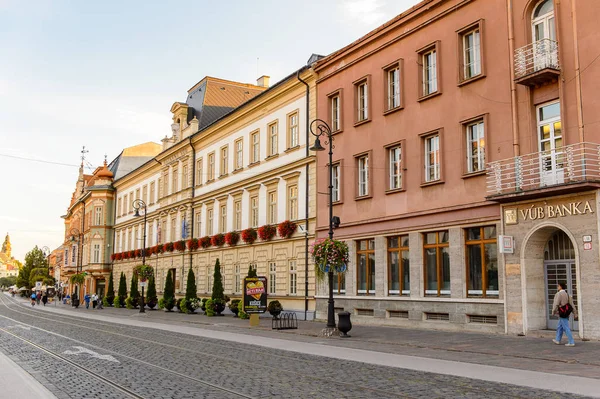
(286, 228)
(266, 232)
(232, 238)
(179, 245)
(217, 240)
(204, 242)
(168, 247)
(78, 278)
(192, 244)
(249, 235)
(329, 255)
(143, 272)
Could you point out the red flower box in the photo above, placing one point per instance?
(232, 238)
(179, 245)
(204, 242)
(158, 249)
(168, 247)
(137, 253)
(286, 229)
(217, 240)
(266, 232)
(192, 244)
(249, 235)
(113, 256)
(131, 254)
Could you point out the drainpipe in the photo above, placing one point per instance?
(306, 199)
(513, 85)
(578, 98)
(192, 198)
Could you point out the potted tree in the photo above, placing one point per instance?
(151, 299)
(275, 308)
(218, 298)
(234, 307)
(134, 292)
(110, 292)
(167, 302)
(119, 300)
(191, 299)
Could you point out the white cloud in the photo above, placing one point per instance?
(365, 12)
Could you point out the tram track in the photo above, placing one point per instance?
(464, 388)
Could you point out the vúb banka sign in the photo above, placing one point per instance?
(255, 294)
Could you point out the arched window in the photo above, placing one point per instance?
(542, 21)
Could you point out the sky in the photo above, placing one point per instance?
(104, 74)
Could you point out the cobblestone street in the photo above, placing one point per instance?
(75, 357)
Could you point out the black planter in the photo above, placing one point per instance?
(219, 307)
(275, 313)
(344, 323)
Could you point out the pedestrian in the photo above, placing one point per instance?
(45, 298)
(563, 307)
(33, 299)
(38, 297)
(100, 304)
(66, 299)
(94, 300)
(87, 298)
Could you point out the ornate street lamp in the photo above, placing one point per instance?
(76, 235)
(319, 128)
(137, 204)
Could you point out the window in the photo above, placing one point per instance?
(393, 87)
(471, 49)
(199, 172)
(184, 180)
(363, 175)
(237, 285)
(272, 131)
(96, 253)
(293, 202)
(239, 154)
(223, 215)
(366, 267)
(209, 280)
(395, 167)
(137, 194)
(152, 193)
(362, 100)
(211, 166)
(254, 211)
(120, 207)
(293, 131)
(339, 283)
(429, 60)
(255, 140)
(482, 262)
(475, 146)
(224, 161)
(335, 182)
(398, 266)
(437, 263)
(162, 235)
(334, 102)
(293, 277)
(130, 203)
(237, 205)
(150, 237)
(272, 211)
(98, 216)
(160, 188)
(272, 277)
(173, 236)
(432, 158)
(175, 181)
(198, 224)
(165, 184)
(209, 222)
(145, 194)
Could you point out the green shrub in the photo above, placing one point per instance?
(242, 314)
(161, 303)
(106, 302)
(117, 302)
(110, 292)
(151, 297)
(134, 291)
(129, 304)
(183, 306)
(169, 293)
(190, 289)
(122, 294)
(217, 288)
(210, 308)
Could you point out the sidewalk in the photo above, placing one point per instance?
(18, 383)
(526, 353)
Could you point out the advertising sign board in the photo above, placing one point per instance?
(255, 295)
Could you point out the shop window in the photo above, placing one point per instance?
(436, 256)
(398, 266)
(482, 262)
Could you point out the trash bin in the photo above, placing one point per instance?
(344, 323)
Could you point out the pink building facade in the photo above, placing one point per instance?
(466, 166)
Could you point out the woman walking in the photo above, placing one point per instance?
(560, 308)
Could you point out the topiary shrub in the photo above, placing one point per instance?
(168, 299)
(151, 298)
(134, 291)
(210, 308)
(233, 306)
(122, 294)
(129, 303)
(106, 302)
(110, 292)
(117, 302)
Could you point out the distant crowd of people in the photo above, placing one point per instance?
(42, 296)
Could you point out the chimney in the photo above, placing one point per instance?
(263, 81)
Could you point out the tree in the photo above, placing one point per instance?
(151, 298)
(34, 259)
(122, 289)
(190, 290)
(134, 292)
(217, 289)
(8, 281)
(110, 292)
(168, 299)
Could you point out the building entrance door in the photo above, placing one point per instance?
(551, 144)
(559, 266)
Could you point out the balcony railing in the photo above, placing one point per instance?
(565, 166)
(536, 59)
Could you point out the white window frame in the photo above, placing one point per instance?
(395, 167)
(96, 253)
(335, 182)
(98, 216)
(335, 113)
(393, 76)
(273, 139)
(362, 94)
(432, 149)
(477, 142)
(294, 129)
(472, 53)
(293, 288)
(239, 154)
(255, 137)
(363, 175)
(272, 277)
(430, 83)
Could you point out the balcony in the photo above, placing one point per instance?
(537, 63)
(565, 170)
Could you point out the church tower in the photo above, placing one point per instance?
(6, 246)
